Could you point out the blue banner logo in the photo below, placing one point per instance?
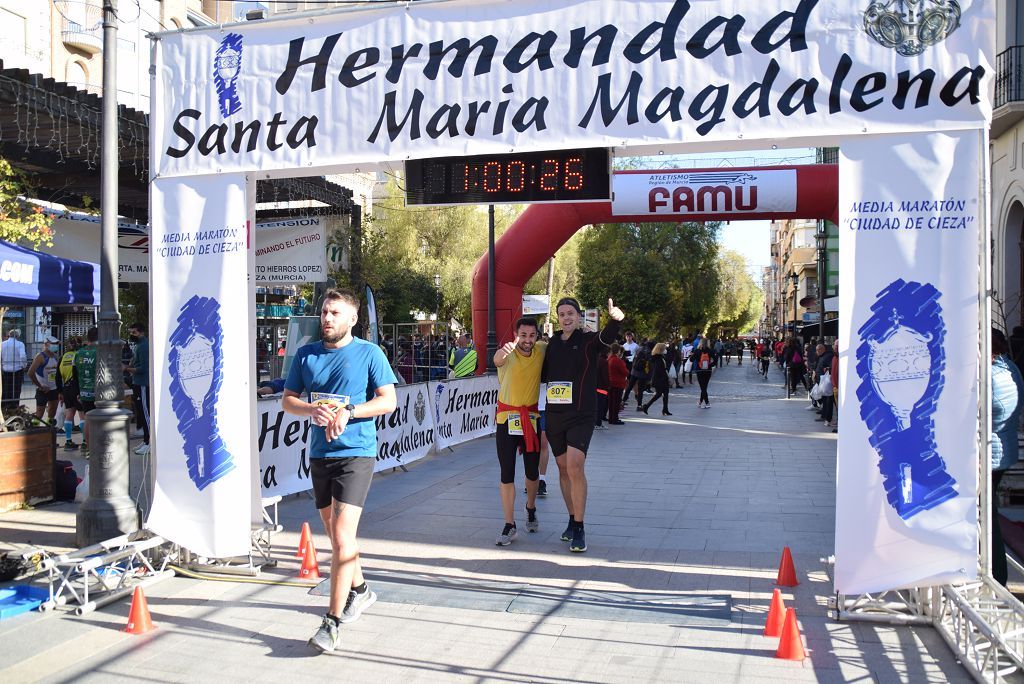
(227, 65)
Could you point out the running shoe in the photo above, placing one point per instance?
(531, 520)
(542, 488)
(326, 638)
(579, 540)
(356, 604)
(615, 422)
(567, 535)
(141, 450)
(70, 446)
(506, 536)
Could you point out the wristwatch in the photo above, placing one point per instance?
(351, 411)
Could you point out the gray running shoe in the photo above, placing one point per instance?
(567, 535)
(326, 638)
(506, 536)
(356, 604)
(531, 520)
(579, 540)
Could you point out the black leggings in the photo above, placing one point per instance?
(508, 449)
(663, 393)
(703, 378)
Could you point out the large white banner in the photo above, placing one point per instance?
(906, 498)
(464, 409)
(287, 251)
(703, 192)
(393, 81)
(202, 359)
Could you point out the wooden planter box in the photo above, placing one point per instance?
(26, 467)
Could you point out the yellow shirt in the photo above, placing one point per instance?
(519, 379)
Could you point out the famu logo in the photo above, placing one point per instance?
(227, 64)
(911, 26)
(705, 193)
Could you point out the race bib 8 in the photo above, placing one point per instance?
(559, 392)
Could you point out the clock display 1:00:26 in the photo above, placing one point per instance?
(549, 175)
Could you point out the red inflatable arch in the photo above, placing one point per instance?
(542, 229)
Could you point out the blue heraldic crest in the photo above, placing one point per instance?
(900, 362)
(227, 64)
(196, 368)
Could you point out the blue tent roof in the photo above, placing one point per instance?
(30, 278)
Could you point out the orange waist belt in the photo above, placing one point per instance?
(532, 441)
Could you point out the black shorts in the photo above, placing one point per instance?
(86, 405)
(569, 430)
(342, 479)
(44, 397)
(509, 447)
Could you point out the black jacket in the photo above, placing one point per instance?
(659, 372)
(575, 360)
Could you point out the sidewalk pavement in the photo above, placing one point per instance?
(686, 522)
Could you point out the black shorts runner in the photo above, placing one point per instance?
(86, 405)
(342, 479)
(43, 397)
(509, 447)
(569, 430)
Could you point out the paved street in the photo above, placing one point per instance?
(688, 512)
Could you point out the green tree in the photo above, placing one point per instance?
(739, 299)
(662, 275)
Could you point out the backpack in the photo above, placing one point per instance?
(705, 361)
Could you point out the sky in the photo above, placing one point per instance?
(752, 239)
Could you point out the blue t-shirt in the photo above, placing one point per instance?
(350, 374)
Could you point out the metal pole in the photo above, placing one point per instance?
(109, 511)
(492, 335)
(551, 283)
(822, 276)
(796, 281)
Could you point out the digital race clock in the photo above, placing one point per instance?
(528, 177)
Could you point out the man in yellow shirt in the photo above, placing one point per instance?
(519, 363)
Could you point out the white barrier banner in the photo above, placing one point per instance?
(287, 251)
(202, 361)
(385, 82)
(703, 192)
(906, 497)
(464, 409)
(291, 251)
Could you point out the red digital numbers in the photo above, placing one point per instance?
(516, 178)
(549, 175)
(573, 173)
(492, 176)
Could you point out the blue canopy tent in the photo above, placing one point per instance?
(30, 278)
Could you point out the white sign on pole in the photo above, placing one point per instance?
(289, 251)
(202, 360)
(387, 83)
(464, 409)
(721, 191)
(536, 304)
(906, 500)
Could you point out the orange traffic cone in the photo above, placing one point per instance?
(139, 621)
(304, 537)
(791, 646)
(787, 573)
(776, 615)
(309, 568)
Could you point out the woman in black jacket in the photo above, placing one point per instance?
(659, 379)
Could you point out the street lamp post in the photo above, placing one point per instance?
(821, 242)
(795, 278)
(437, 314)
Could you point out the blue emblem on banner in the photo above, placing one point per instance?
(900, 362)
(196, 366)
(227, 64)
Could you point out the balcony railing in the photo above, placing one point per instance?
(1010, 75)
(81, 24)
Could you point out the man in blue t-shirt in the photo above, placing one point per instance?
(348, 382)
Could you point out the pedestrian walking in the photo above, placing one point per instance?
(570, 369)
(618, 378)
(13, 360)
(704, 360)
(43, 374)
(84, 381)
(348, 383)
(674, 360)
(659, 378)
(139, 369)
(519, 364)
(1007, 386)
(638, 375)
(69, 390)
(687, 349)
